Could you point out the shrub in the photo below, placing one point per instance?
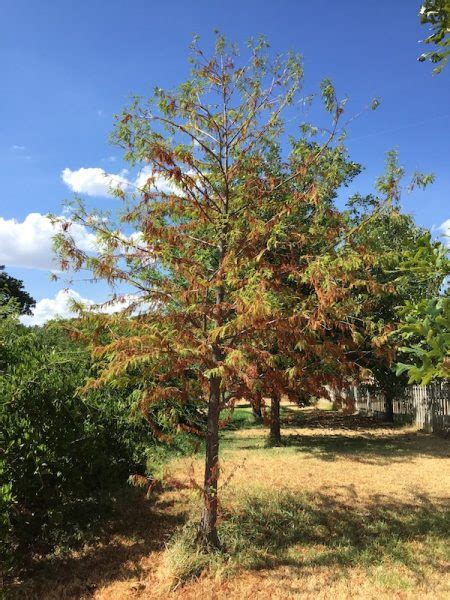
(62, 453)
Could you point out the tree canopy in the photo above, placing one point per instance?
(424, 329)
(436, 14)
(11, 289)
(395, 238)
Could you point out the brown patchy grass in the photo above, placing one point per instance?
(347, 508)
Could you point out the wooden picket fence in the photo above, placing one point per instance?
(426, 406)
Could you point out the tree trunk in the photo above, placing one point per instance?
(275, 433)
(257, 414)
(207, 534)
(256, 408)
(389, 404)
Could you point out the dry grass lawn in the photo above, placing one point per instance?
(347, 508)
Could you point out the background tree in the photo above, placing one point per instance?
(303, 363)
(424, 330)
(394, 237)
(436, 14)
(12, 289)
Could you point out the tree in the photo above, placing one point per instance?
(404, 274)
(232, 298)
(62, 453)
(307, 236)
(11, 289)
(424, 329)
(436, 14)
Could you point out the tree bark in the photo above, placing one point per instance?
(207, 534)
(257, 414)
(256, 408)
(389, 405)
(275, 433)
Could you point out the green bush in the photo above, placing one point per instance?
(62, 452)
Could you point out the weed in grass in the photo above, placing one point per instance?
(184, 559)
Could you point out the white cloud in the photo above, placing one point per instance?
(160, 183)
(444, 228)
(94, 181)
(61, 307)
(51, 308)
(17, 148)
(29, 243)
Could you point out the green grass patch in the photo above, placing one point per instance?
(242, 418)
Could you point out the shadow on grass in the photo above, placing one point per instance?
(281, 528)
(138, 528)
(264, 529)
(330, 419)
(354, 437)
(272, 529)
(380, 450)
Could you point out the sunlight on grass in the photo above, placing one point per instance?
(324, 404)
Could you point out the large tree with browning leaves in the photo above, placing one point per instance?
(295, 360)
(240, 263)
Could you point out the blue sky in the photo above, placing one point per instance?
(67, 67)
